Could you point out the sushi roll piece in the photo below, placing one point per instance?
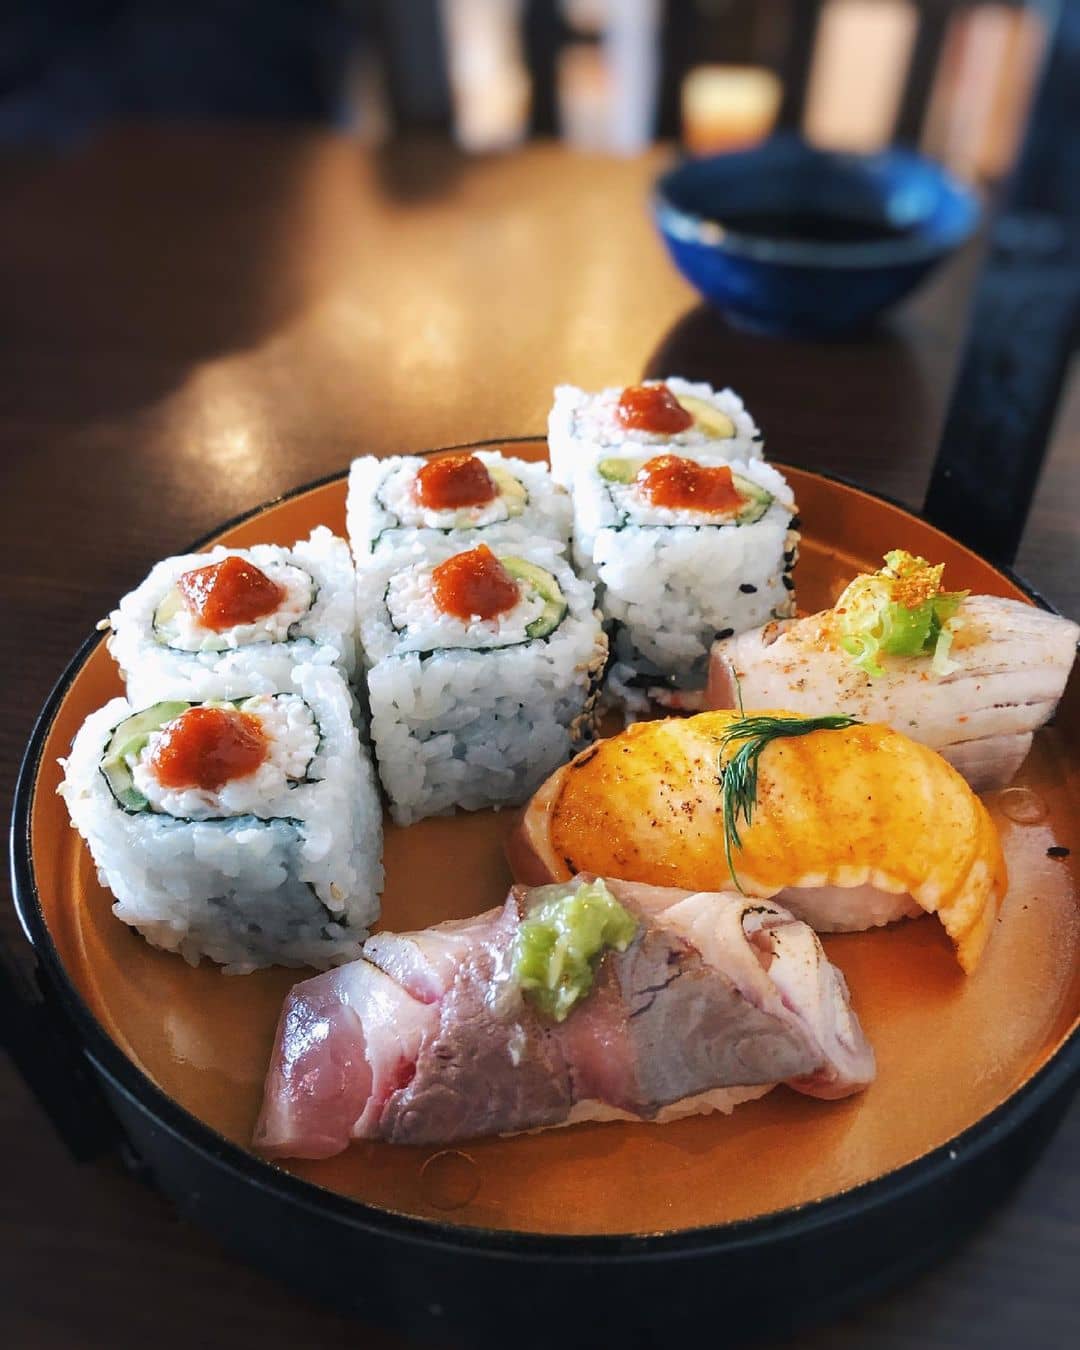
(847, 825)
(482, 672)
(683, 551)
(248, 831)
(592, 1000)
(233, 622)
(686, 417)
(972, 676)
(466, 497)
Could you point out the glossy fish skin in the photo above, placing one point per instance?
(1012, 664)
(836, 810)
(717, 999)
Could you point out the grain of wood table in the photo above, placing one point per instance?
(195, 321)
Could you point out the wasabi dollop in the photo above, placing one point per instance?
(558, 946)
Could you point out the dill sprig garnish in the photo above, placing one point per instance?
(738, 778)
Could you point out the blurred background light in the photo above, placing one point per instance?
(607, 76)
(727, 107)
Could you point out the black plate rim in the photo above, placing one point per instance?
(125, 1076)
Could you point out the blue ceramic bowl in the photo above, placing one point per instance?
(788, 239)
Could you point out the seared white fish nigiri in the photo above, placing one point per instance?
(708, 1000)
(978, 705)
(851, 827)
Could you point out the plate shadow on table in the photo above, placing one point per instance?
(862, 395)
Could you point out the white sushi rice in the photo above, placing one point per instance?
(383, 515)
(258, 658)
(471, 724)
(724, 1100)
(292, 738)
(669, 586)
(294, 882)
(583, 428)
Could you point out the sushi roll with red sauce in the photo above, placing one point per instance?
(245, 830)
(468, 497)
(233, 622)
(673, 415)
(482, 669)
(683, 550)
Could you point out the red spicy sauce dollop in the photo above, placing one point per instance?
(206, 747)
(682, 485)
(456, 480)
(474, 584)
(228, 593)
(652, 407)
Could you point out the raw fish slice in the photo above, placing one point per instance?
(716, 1000)
(687, 1025)
(485, 1068)
(837, 810)
(815, 992)
(1012, 663)
(345, 1041)
(425, 962)
(775, 963)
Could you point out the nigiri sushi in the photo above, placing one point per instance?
(589, 1000)
(972, 676)
(849, 826)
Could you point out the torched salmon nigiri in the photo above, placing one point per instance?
(849, 826)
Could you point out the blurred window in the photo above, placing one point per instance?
(859, 63)
(723, 73)
(980, 88)
(488, 79)
(985, 82)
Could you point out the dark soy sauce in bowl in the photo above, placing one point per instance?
(816, 227)
(786, 238)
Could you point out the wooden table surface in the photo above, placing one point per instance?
(195, 321)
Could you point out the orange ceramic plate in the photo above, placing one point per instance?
(950, 1048)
